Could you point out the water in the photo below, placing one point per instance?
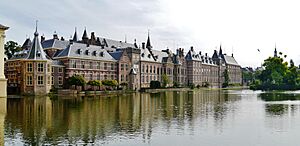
(205, 117)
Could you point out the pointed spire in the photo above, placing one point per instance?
(275, 51)
(135, 44)
(36, 52)
(85, 38)
(36, 25)
(75, 39)
(125, 38)
(220, 51)
(148, 45)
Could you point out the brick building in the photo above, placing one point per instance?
(97, 58)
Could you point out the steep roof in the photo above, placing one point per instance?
(193, 56)
(55, 43)
(116, 55)
(117, 44)
(37, 52)
(3, 27)
(78, 50)
(26, 45)
(230, 60)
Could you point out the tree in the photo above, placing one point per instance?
(110, 83)
(94, 83)
(165, 80)
(154, 84)
(10, 48)
(77, 80)
(226, 78)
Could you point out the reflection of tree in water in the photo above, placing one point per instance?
(276, 109)
(277, 96)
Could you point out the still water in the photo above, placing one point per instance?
(204, 117)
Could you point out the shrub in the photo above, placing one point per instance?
(155, 84)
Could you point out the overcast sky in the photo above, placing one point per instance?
(240, 26)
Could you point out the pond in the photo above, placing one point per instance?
(202, 117)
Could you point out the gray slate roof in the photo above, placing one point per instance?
(78, 50)
(146, 55)
(116, 55)
(230, 60)
(36, 51)
(193, 56)
(54, 43)
(117, 44)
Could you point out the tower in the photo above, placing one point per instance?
(2, 77)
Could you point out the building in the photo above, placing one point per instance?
(97, 58)
(2, 76)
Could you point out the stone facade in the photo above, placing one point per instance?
(99, 58)
(3, 81)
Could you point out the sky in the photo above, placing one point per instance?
(240, 26)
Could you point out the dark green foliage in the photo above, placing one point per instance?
(165, 80)
(124, 84)
(192, 86)
(198, 86)
(10, 48)
(110, 83)
(77, 80)
(277, 76)
(155, 84)
(226, 79)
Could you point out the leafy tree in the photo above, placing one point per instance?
(226, 78)
(165, 80)
(10, 48)
(154, 84)
(277, 75)
(77, 80)
(95, 83)
(110, 83)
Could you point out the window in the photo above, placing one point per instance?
(40, 67)
(29, 80)
(112, 77)
(40, 80)
(60, 70)
(105, 66)
(74, 64)
(52, 69)
(126, 66)
(82, 64)
(91, 65)
(48, 67)
(60, 80)
(29, 67)
(122, 66)
(98, 65)
(112, 66)
(49, 80)
(52, 80)
(122, 78)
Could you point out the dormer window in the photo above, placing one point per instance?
(38, 54)
(149, 55)
(95, 53)
(79, 51)
(87, 52)
(143, 55)
(102, 54)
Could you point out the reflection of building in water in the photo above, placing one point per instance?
(102, 119)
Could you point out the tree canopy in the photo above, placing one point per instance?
(10, 48)
(77, 80)
(277, 75)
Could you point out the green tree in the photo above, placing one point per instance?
(110, 83)
(94, 83)
(226, 78)
(165, 80)
(10, 48)
(77, 80)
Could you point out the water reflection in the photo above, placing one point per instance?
(103, 120)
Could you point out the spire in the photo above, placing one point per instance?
(85, 36)
(275, 51)
(75, 39)
(36, 51)
(36, 25)
(125, 38)
(135, 44)
(148, 45)
(220, 51)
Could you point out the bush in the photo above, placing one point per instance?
(111, 83)
(198, 86)
(155, 84)
(192, 86)
(175, 85)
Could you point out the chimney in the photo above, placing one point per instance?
(192, 48)
(143, 45)
(205, 54)
(62, 38)
(71, 41)
(42, 38)
(55, 36)
(200, 52)
(232, 55)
